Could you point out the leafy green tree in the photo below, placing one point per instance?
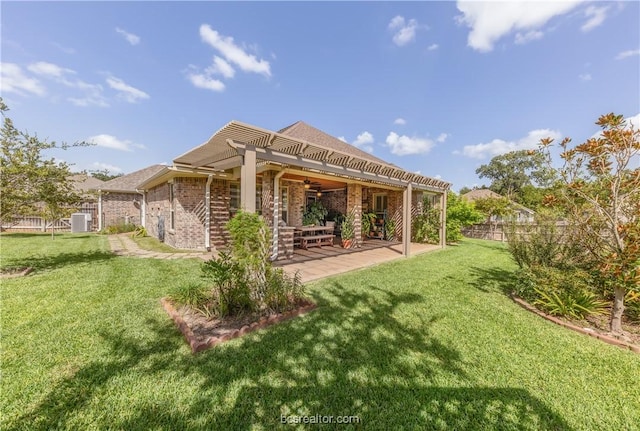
(30, 183)
(464, 190)
(600, 193)
(460, 213)
(511, 172)
(104, 174)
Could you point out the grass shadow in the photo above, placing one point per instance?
(492, 279)
(349, 357)
(53, 261)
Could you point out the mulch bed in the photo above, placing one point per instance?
(202, 333)
(593, 326)
(15, 272)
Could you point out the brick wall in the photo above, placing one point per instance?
(267, 196)
(335, 200)
(354, 206)
(118, 208)
(297, 202)
(190, 213)
(157, 208)
(220, 205)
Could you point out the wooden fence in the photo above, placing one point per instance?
(35, 223)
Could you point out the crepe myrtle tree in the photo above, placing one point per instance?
(31, 183)
(600, 193)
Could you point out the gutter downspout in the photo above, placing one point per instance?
(276, 213)
(99, 210)
(207, 217)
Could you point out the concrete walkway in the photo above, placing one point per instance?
(312, 264)
(318, 263)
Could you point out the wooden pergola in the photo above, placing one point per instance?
(250, 148)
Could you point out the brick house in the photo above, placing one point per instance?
(276, 174)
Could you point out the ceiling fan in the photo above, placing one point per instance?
(308, 184)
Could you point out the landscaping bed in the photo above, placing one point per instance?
(202, 332)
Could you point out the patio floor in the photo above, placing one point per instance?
(320, 262)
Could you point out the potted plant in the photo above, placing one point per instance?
(367, 223)
(314, 214)
(347, 231)
(390, 229)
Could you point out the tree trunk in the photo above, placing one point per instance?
(615, 324)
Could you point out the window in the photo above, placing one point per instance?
(284, 205)
(172, 206)
(234, 198)
(379, 203)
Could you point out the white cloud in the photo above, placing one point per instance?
(203, 81)
(125, 91)
(110, 168)
(404, 145)
(433, 47)
(13, 80)
(490, 21)
(499, 146)
(626, 54)
(405, 31)
(364, 141)
(233, 53)
(49, 69)
(442, 137)
(400, 121)
(109, 141)
(596, 17)
(343, 139)
(92, 94)
(130, 37)
(220, 67)
(635, 121)
(584, 77)
(437, 177)
(527, 37)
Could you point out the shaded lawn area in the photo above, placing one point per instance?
(429, 342)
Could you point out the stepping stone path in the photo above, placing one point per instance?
(123, 245)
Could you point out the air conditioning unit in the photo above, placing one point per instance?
(80, 222)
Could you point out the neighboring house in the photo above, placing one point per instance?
(119, 200)
(276, 174)
(521, 213)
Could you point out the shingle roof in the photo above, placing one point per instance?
(130, 182)
(301, 130)
(82, 183)
(481, 194)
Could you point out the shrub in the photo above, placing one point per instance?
(119, 228)
(195, 295)
(565, 292)
(244, 279)
(139, 232)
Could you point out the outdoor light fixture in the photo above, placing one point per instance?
(307, 184)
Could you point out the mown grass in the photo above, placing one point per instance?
(429, 342)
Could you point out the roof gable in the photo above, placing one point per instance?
(130, 182)
(302, 130)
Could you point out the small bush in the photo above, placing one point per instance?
(192, 294)
(139, 232)
(560, 292)
(120, 228)
(244, 279)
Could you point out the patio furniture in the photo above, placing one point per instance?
(313, 236)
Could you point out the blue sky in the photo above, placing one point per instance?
(434, 87)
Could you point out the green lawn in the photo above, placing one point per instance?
(429, 342)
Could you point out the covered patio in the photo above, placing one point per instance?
(279, 174)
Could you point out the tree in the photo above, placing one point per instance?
(600, 194)
(460, 213)
(104, 174)
(493, 208)
(511, 172)
(464, 190)
(31, 184)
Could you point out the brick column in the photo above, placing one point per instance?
(285, 243)
(267, 197)
(354, 206)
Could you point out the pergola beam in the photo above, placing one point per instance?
(293, 160)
